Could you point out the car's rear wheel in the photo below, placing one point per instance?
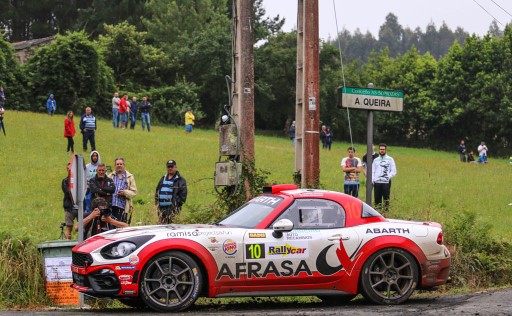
(133, 302)
(171, 282)
(336, 299)
(389, 276)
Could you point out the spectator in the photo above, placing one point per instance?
(170, 194)
(70, 209)
(69, 132)
(133, 112)
(88, 128)
(328, 137)
(126, 190)
(115, 110)
(189, 121)
(101, 185)
(323, 136)
(2, 96)
(101, 218)
(144, 112)
(482, 153)
(292, 133)
(383, 169)
(123, 111)
(365, 159)
(462, 151)
(91, 168)
(51, 105)
(351, 166)
(2, 111)
(471, 157)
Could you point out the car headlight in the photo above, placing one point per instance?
(120, 250)
(123, 248)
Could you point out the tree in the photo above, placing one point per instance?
(11, 78)
(391, 34)
(135, 64)
(73, 69)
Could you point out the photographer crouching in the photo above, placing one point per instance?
(101, 219)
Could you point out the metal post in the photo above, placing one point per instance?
(369, 154)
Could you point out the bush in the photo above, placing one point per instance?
(478, 260)
(22, 281)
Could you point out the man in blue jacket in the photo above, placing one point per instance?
(51, 105)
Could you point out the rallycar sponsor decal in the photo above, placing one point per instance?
(347, 263)
(125, 267)
(266, 200)
(298, 249)
(197, 233)
(257, 235)
(388, 231)
(125, 277)
(253, 270)
(129, 292)
(213, 240)
(134, 260)
(229, 247)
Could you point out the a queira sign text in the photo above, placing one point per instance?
(372, 99)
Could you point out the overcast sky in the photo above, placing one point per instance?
(369, 15)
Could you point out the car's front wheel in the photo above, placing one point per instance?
(389, 276)
(171, 282)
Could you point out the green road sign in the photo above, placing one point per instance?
(371, 99)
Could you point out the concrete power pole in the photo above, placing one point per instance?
(307, 110)
(243, 79)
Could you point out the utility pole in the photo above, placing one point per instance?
(243, 79)
(307, 106)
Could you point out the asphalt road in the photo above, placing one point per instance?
(481, 303)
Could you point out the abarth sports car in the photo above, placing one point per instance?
(285, 242)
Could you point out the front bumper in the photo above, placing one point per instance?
(106, 281)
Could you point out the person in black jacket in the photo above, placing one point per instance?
(170, 194)
(101, 185)
(70, 209)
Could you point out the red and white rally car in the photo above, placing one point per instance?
(287, 241)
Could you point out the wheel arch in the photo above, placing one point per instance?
(195, 250)
(383, 242)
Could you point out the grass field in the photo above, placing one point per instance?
(430, 185)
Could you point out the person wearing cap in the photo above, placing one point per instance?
(170, 194)
(51, 105)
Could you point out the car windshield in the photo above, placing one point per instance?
(253, 212)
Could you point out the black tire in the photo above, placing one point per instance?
(389, 276)
(133, 302)
(334, 300)
(171, 282)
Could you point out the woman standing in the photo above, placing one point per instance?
(69, 131)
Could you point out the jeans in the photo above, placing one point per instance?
(89, 136)
(115, 117)
(382, 191)
(71, 144)
(145, 119)
(351, 189)
(133, 119)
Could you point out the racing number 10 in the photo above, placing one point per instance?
(255, 251)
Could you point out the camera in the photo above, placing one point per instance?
(105, 211)
(62, 225)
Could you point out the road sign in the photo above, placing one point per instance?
(371, 99)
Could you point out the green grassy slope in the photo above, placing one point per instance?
(430, 185)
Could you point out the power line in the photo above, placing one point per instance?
(501, 8)
(488, 12)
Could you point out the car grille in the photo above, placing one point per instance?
(81, 259)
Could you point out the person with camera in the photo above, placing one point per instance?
(70, 209)
(101, 219)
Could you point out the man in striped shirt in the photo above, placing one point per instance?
(88, 128)
(170, 194)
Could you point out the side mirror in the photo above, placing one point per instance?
(282, 225)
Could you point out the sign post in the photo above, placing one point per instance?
(78, 185)
(370, 99)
